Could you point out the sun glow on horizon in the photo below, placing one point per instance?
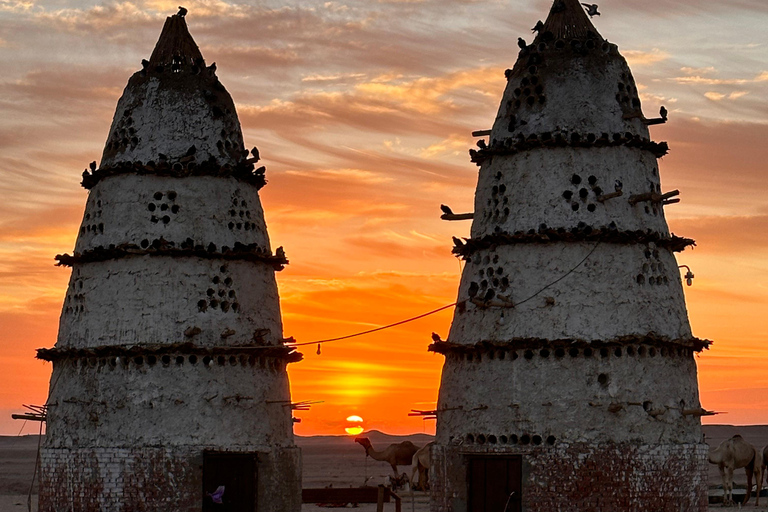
(355, 429)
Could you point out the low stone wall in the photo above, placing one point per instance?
(622, 477)
(156, 479)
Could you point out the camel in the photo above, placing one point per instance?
(735, 453)
(398, 454)
(421, 464)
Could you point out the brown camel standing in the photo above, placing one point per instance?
(398, 454)
(735, 453)
(421, 464)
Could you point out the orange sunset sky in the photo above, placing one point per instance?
(363, 112)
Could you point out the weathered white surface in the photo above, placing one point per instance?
(130, 209)
(551, 397)
(177, 405)
(584, 94)
(600, 300)
(168, 114)
(522, 192)
(154, 299)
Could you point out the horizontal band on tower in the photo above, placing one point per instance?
(280, 352)
(241, 252)
(650, 339)
(605, 235)
(243, 171)
(511, 145)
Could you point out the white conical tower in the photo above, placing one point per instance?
(570, 381)
(169, 373)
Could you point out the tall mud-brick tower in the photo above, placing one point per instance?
(169, 374)
(569, 382)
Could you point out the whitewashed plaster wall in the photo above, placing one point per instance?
(131, 209)
(620, 290)
(155, 299)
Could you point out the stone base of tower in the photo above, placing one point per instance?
(158, 479)
(575, 477)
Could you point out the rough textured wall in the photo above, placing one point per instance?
(170, 399)
(148, 299)
(621, 290)
(157, 479)
(569, 395)
(586, 477)
(138, 210)
(560, 188)
(168, 114)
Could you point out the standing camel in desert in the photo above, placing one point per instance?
(421, 464)
(735, 453)
(397, 454)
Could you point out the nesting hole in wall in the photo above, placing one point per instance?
(166, 360)
(193, 359)
(641, 351)
(603, 352)
(138, 360)
(587, 352)
(574, 352)
(480, 439)
(528, 354)
(179, 360)
(151, 360)
(603, 379)
(525, 439)
(221, 360)
(647, 405)
(491, 439)
(617, 352)
(503, 439)
(513, 439)
(652, 352)
(544, 353)
(559, 353)
(536, 439)
(207, 360)
(630, 351)
(470, 438)
(551, 440)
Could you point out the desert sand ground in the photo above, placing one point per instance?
(328, 460)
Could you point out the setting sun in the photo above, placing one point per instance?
(354, 430)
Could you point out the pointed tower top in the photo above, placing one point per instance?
(568, 20)
(175, 108)
(175, 42)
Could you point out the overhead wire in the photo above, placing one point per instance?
(429, 313)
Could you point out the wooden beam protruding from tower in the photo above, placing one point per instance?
(653, 197)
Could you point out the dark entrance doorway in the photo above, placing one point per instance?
(236, 473)
(495, 483)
